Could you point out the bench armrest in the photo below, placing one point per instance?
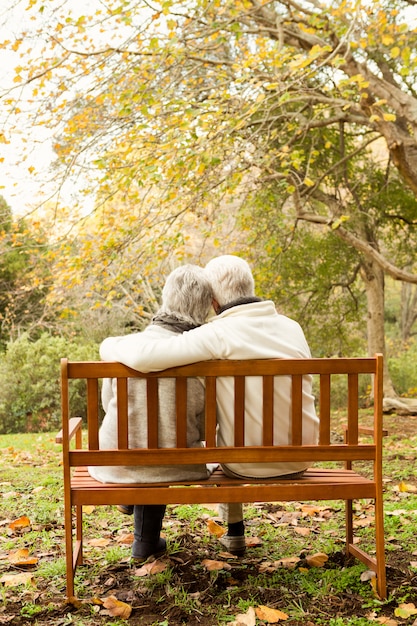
(367, 430)
(74, 427)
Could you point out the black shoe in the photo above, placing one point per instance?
(147, 532)
(141, 550)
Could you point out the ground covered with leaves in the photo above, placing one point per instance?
(294, 570)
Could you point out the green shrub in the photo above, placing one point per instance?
(30, 382)
(403, 371)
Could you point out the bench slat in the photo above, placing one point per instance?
(122, 418)
(152, 409)
(252, 454)
(92, 413)
(324, 412)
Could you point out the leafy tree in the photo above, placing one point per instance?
(181, 107)
(23, 276)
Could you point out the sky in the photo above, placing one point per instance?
(26, 158)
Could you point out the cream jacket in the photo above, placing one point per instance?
(138, 425)
(245, 331)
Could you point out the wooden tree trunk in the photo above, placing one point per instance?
(373, 278)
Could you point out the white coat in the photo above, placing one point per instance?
(245, 331)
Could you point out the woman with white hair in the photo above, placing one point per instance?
(186, 301)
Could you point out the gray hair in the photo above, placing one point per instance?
(230, 278)
(187, 294)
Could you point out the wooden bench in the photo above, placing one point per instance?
(318, 483)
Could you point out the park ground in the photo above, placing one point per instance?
(294, 571)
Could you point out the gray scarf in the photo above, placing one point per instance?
(173, 322)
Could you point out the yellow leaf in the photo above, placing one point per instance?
(88, 509)
(389, 117)
(405, 610)
(406, 488)
(395, 52)
(21, 558)
(116, 608)
(317, 560)
(387, 40)
(20, 522)
(311, 509)
(271, 616)
(307, 181)
(215, 529)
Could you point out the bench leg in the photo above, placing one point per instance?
(69, 551)
(349, 524)
(380, 548)
(79, 533)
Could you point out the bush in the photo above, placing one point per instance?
(30, 382)
(403, 371)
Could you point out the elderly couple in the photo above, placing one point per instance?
(244, 327)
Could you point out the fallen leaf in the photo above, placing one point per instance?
(212, 566)
(154, 567)
(88, 509)
(317, 560)
(267, 566)
(21, 558)
(252, 542)
(227, 555)
(384, 619)
(302, 530)
(20, 522)
(271, 616)
(13, 580)
(245, 619)
(404, 487)
(11, 494)
(99, 542)
(215, 529)
(126, 538)
(289, 561)
(116, 608)
(311, 509)
(368, 575)
(405, 610)
(363, 522)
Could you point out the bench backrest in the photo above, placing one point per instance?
(326, 450)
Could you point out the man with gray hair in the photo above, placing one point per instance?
(245, 327)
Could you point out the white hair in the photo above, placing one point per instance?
(187, 294)
(230, 278)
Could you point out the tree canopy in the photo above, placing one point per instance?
(190, 112)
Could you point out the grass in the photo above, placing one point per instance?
(186, 592)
